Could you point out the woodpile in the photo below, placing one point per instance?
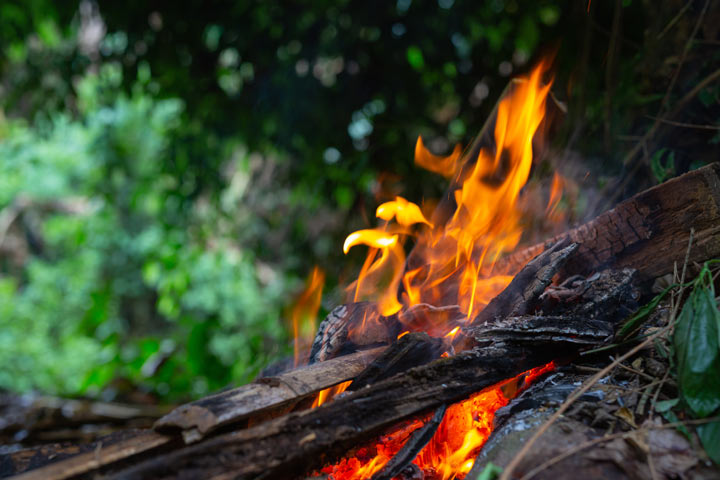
(568, 295)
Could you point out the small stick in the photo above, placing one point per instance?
(412, 447)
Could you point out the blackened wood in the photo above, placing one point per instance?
(411, 350)
(610, 295)
(352, 327)
(412, 447)
(205, 415)
(648, 232)
(523, 293)
(534, 329)
(299, 441)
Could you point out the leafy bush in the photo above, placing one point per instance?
(128, 278)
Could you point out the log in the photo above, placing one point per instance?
(299, 441)
(144, 441)
(201, 417)
(523, 293)
(411, 350)
(648, 232)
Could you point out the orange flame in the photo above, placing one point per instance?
(445, 166)
(455, 258)
(451, 264)
(327, 394)
(556, 192)
(303, 313)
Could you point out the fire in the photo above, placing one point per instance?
(303, 313)
(453, 260)
(451, 264)
(451, 452)
(327, 394)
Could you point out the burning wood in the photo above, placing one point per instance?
(469, 324)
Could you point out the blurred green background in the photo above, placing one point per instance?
(170, 171)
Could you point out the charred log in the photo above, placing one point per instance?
(648, 232)
(411, 350)
(523, 293)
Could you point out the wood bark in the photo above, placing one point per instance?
(648, 232)
(199, 418)
(101, 456)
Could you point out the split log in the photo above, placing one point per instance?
(199, 418)
(302, 440)
(648, 232)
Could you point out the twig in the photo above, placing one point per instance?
(683, 56)
(685, 125)
(630, 156)
(659, 389)
(674, 20)
(607, 438)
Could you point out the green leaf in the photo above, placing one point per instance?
(710, 437)
(696, 344)
(490, 472)
(661, 170)
(415, 57)
(665, 405)
(633, 322)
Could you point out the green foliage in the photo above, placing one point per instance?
(663, 170)
(633, 323)
(121, 256)
(490, 472)
(697, 347)
(698, 353)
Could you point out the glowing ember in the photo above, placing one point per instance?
(451, 452)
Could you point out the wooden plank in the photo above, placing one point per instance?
(648, 232)
(206, 415)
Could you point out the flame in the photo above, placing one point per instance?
(327, 394)
(456, 258)
(451, 452)
(556, 192)
(445, 166)
(303, 313)
(451, 264)
(406, 213)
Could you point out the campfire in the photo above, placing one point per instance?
(451, 265)
(449, 320)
